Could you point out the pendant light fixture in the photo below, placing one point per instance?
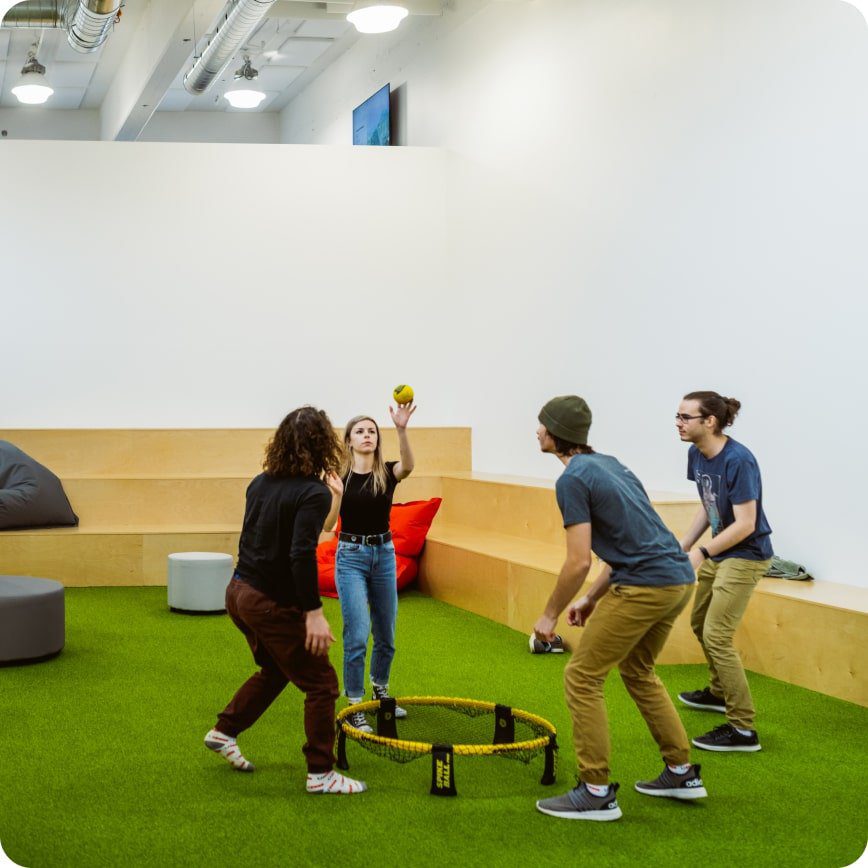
(242, 97)
(375, 16)
(32, 87)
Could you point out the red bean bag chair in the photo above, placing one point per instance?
(409, 522)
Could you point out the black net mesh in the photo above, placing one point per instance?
(471, 727)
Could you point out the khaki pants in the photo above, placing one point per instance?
(723, 591)
(628, 629)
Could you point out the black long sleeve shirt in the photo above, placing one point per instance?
(277, 551)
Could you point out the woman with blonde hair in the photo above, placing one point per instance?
(365, 572)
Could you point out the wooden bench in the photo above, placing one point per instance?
(495, 547)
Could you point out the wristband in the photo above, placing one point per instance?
(704, 551)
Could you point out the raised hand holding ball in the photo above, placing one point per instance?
(403, 394)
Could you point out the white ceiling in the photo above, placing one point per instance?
(286, 51)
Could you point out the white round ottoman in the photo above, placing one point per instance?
(198, 581)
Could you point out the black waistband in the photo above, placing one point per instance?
(371, 539)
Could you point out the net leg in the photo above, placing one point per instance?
(386, 726)
(442, 771)
(548, 777)
(504, 725)
(342, 763)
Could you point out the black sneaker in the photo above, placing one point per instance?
(726, 738)
(581, 804)
(703, 699)
(675, 786)
(358, 721)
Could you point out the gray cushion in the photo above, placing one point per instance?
(32, 620)
(30, 494)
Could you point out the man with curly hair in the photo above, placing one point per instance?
(274, 601)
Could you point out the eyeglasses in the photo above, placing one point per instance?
(686, 417)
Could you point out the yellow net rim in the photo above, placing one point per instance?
(423, 747)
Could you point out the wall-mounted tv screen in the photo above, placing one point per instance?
(371, 120)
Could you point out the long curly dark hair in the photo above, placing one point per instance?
(303, 445)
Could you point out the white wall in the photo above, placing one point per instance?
(649, 198)
(635, 199)
(231, 127)
(42, 123)
(220, 285)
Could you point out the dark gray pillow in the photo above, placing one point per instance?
(30, 494)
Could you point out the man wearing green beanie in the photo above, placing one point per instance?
(628, 611)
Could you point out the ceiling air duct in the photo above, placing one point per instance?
(237, 21)
(87, 22)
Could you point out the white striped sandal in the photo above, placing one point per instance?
(227, 747)
(333, 783)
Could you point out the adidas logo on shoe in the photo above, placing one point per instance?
(672, 785)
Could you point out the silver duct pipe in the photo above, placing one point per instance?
(87, 22)
(238, 19)
(91, 24)
(35, 15)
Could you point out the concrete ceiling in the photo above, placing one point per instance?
(141, 67)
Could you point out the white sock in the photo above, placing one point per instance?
(743, 731)
(680, 770)
(354, 700)
(597, 789)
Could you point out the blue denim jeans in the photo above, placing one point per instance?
(366, 579)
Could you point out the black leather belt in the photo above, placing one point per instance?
(371, 539)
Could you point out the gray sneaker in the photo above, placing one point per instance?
(378, 692)
(674, 786)
(580, 804)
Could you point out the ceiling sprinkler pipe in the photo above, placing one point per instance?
(238, 19)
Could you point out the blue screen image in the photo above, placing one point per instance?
(371, 120)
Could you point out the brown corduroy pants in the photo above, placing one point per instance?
(276, 637)
(628, 629)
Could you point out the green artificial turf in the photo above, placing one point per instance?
(102, 761)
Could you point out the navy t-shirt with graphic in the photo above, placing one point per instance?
(730, 478)
(626, 532)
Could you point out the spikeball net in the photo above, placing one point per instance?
(444, 727)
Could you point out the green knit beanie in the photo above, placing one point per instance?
(567, 417)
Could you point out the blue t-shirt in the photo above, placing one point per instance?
(626, 532)
(731, 477)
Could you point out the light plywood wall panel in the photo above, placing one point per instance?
(528, 509)
(75, 559)
(215, 452)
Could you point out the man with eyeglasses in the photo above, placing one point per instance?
(729, 566)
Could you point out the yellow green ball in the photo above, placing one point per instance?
(403, 394)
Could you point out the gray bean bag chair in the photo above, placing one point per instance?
(30, 494)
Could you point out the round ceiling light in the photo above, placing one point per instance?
(371, 16)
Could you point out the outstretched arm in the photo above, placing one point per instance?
(401, 418)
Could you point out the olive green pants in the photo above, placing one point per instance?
(723, 591)
(628, 629)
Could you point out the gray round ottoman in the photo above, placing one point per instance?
(32, 619)
(198, 581)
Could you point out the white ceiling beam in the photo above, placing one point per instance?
(162, 46)
(332, 10)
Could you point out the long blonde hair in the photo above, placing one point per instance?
(379, 475)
